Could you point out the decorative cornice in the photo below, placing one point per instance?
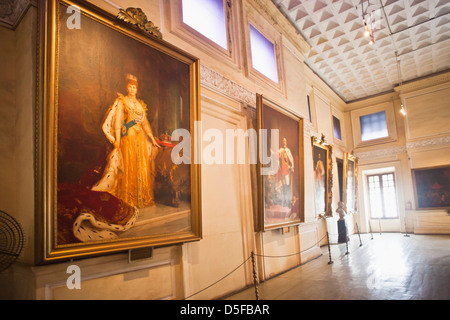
(434, 142)
(410, 146)
(381, 153)
(214, 80)
(12, 11)
(426, 82)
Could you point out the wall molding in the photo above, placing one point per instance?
(217, 82)
(381, 153)
(424, 83)
(425, 144)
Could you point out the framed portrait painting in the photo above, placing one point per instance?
(432, 187)
(323, 179)
(280, 166)
(350, 183)
(111, 92)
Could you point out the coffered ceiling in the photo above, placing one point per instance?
(414, 32)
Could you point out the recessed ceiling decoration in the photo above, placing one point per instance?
(414, 32)
(11, 11)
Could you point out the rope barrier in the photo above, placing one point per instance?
(290, 255)
(219, 279)
(252, 256)
(254, 269)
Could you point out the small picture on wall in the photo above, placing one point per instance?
(432, 187)
(350, 182)
(320, 177)
(323, 181)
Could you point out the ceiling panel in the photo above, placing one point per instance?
(415, 31)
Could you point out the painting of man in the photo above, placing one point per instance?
(282, 187)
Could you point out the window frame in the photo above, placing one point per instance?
(388, 108)
(311, 93)
(309, 104)
(257, 20)
(252, 53)
(383, 216)
(176, 26)
(372, 123)
(334, 120)
(336, 113)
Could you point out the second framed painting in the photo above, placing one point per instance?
(280, 166)
(323, 180)
(432, 187)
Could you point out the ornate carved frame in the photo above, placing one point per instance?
(261, 224)
(134, 24)
(321, 143)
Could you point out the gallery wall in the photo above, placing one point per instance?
(228, 101)
(420, 141)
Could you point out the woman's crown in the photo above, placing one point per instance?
(130, 77)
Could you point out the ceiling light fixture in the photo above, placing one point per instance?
(402, 107)
(368, 23)
(403, 111)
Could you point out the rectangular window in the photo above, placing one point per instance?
(337, 128)
(309, 108)
(382, 196)
(263, 55)
(207, 17)
(373, 126)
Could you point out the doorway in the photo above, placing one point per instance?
(382, 196)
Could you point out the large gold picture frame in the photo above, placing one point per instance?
(280, 187)
(110, 94)
(323, 175)
(350, 183)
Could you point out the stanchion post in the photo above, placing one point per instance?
(346, 239)
(255, 277)
(329, 249)
(370, 228)
(406, 231)
(359, 235)
(379, 225)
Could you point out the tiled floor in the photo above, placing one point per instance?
(388, 267)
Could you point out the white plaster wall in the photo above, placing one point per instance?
(24, 127)
(226, 209)
(17, 126)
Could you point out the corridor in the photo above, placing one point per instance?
(389, 266)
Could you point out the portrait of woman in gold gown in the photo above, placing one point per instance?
(130, 172)
(118, 101)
